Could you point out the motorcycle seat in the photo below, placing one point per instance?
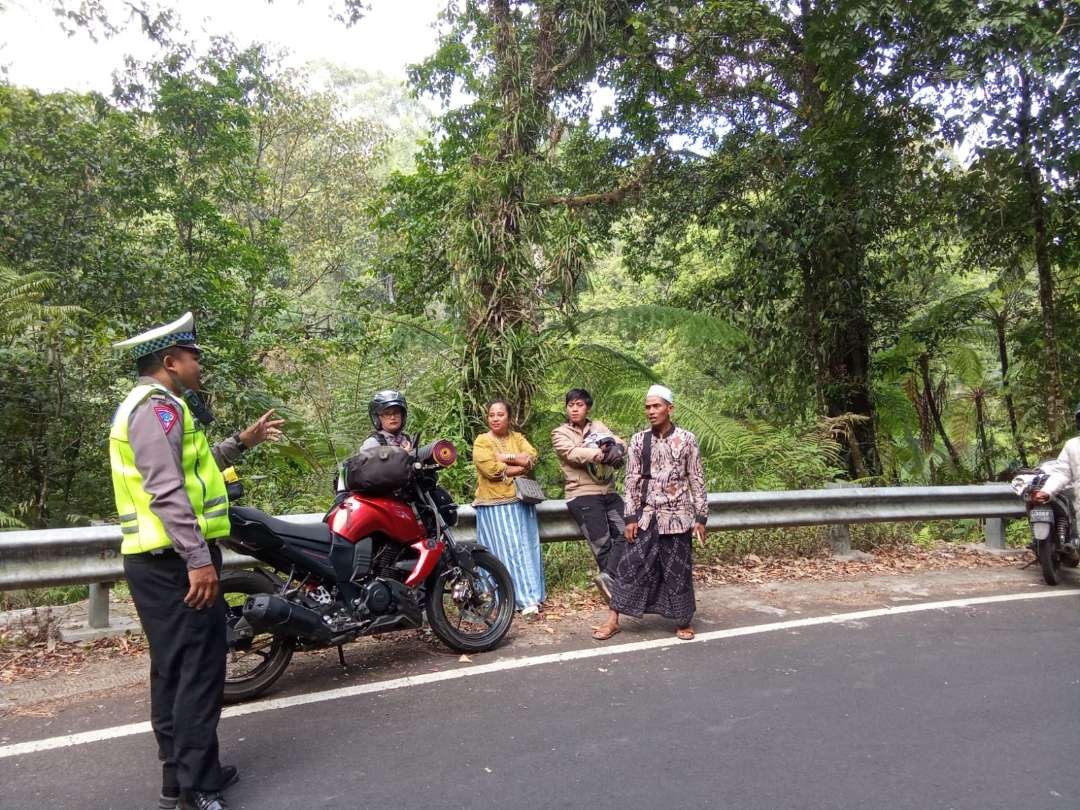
(317, 533)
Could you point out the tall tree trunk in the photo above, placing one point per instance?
(935, 413)
(834, 295)
(1034, 187)
(847, 389)
(980, 429)
(998, 320)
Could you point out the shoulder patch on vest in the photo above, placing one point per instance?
(166, 415)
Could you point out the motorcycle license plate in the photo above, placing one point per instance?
(1041, 515)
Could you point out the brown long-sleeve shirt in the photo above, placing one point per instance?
(574, 457)
(157, 451)
(676, 497)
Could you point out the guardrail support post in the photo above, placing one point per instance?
(98, 607)
(995, 534)
(839, 533)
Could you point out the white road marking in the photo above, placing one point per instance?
(598, 651)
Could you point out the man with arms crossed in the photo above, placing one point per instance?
(588, 453)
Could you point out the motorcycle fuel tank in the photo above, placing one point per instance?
(360, 516)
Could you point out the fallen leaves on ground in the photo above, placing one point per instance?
(754, 570)
(51, 658)
(20, 661)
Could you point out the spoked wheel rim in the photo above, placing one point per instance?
(254, 656)
(252, 663)
(472, 611)
(471, 602)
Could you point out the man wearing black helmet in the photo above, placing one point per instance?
(1065, 472)
(388, 411)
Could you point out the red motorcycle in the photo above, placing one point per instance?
(378, 563)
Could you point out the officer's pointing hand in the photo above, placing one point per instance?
(204, 587)
(262, 429)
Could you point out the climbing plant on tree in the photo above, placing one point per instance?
(512, 197)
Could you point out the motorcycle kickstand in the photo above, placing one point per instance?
(341, 656)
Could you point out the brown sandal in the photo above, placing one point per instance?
(685, 633)
(605, 632)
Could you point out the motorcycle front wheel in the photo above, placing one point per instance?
(1050, 561)
(472, 611)
(252, 665)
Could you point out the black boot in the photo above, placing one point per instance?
(200, 800)
(170, 788)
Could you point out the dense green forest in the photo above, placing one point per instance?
(844, 233)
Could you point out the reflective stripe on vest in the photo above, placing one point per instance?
(142, 530)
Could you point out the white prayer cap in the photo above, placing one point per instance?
(180, 332)
(660, 391)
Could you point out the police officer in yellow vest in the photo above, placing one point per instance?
(172, 503)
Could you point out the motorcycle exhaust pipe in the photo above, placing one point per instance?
(270, 613)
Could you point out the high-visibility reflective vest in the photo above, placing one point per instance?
(203, 481)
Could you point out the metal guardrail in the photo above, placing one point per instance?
(92, 554)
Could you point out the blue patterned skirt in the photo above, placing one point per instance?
(512, 534)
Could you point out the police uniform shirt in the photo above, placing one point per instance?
(155, 432)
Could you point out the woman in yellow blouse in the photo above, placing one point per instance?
(504, 524)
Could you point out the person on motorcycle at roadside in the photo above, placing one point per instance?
(1064, 472)
(388, 411)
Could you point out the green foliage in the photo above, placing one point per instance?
(772, 218)
(501, 226)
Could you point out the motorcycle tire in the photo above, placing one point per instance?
(1050, 561)
(495, 618)
(275, 651)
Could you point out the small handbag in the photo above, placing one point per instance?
(528, 491)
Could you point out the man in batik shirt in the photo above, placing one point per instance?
(666, 506)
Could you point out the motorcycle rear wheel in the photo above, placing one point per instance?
(250, 672)
(472, 612)
(1050, 561)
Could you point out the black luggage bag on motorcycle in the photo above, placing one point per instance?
(378, 470)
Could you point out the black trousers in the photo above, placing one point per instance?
(600, 518)
(187, 667)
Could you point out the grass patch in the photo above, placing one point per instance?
(58, 595)
(42, 597)
(568, 565)
(730, 547)
(1017, 534)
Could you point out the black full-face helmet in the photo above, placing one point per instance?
(1076, 415)
(387, 399)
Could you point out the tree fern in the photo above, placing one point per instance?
(10, 522)
(21, 301)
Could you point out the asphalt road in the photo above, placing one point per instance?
(972, 707)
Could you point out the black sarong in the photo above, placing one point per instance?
(655, 575)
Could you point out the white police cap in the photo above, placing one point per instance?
(180, 332)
